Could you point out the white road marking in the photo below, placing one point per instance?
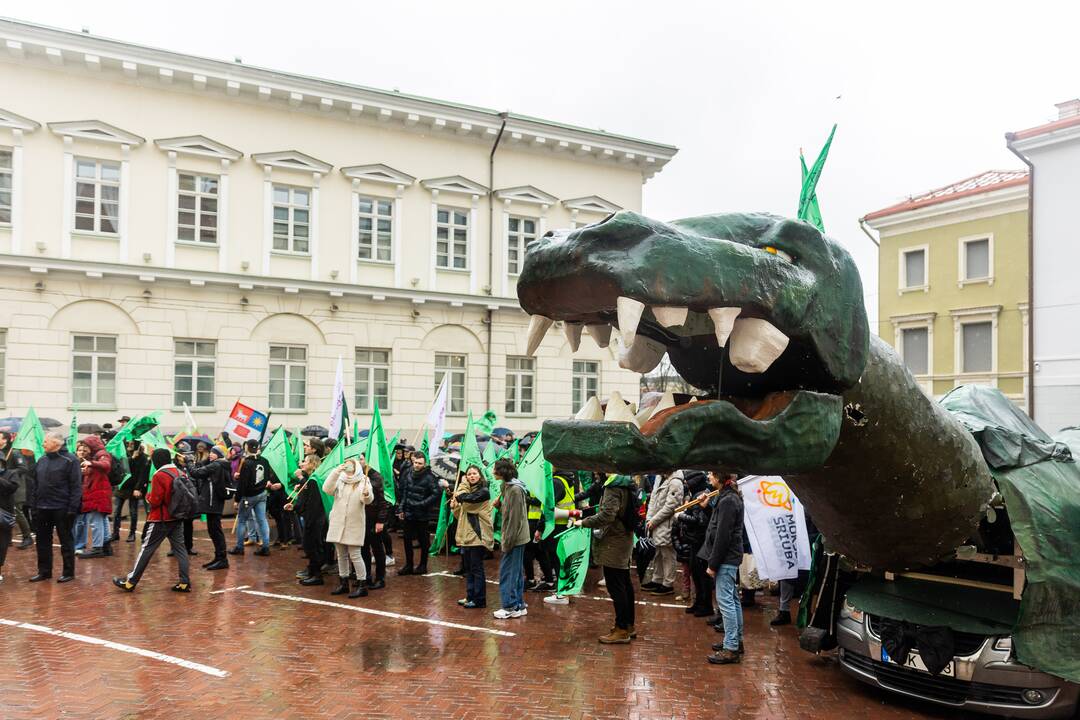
(199, 667)
(373, 611)
(587, 597)
(225, 590)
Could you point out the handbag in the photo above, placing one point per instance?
(7, 519)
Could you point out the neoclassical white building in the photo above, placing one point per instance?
(179, 230)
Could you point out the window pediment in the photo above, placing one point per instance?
(591, 203)
(198, 145)
(10, 120)
(96, 130)
(292, 160)
(455, 184)
(526, 194)
(378, 172)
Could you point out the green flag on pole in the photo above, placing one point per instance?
(808, 194)
(535, 471)
(73, 433)
(573, 552)
(279, 453)
(491, 454)
(440, 527)
(486, 423)
(341, 452)
(133, 430)
(424, 447)
(813, 210)
(471, 455)
(31, 435)
(379, 455)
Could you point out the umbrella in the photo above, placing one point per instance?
(527, 438)
(501, 432)
(90, 429)
(10, 424)
(50, 423)
(315, 431)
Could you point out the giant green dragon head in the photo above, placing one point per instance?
(763, 313)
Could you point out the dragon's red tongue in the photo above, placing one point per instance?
(764, 408)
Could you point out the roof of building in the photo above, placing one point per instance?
(983, 182)
(1046, 128)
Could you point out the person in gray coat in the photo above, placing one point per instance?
(667, 495)
(515, 536)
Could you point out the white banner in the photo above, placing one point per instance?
(436, 419)
(776, 527)
(337, 408)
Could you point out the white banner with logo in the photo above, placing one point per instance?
(775, 524)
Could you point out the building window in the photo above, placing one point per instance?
(288, 377)
(454, 367)
(913, 268)
(3, 363)
(372, 379)
(292, 219)
(976, 347)
(93, 376)
(452, 239)
(193, 374)
(197, 209)
(374, 223)
(520, 385)
(6, 175)
(585, 384)
(915, 349)
(97, 196)
(520, 232)
(976, 259)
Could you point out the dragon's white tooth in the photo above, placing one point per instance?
(600, 333)
(755, 345)
(667, 400)
(670, 316)
(618, 410)
(723, 321)
(590, 410)
(643, 417)
(538, 327)
(629, 312)
(573, 335)
(643, 356)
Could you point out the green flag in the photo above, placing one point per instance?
(73, 433)
(813, 211)
(31, 435)
(341, 452)
(440, 527)
(471, 455)
(535, 471)
(808, 193)
(486, 423)
(279, 453)
(491, 454)
(573, 552)
(515, 451)
(135, 430)
(424, 447)
(380, 457)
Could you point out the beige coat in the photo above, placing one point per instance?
(351, 493)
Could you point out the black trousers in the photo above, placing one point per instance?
(417, 530)
(133, 514)
(621, 591)
(5, 541)
(217, 535)
(314, 545)
(21, 511)
(537, 551)
(46, 521)
(157, 533)
(388, 543)
(373, 545)
(704, 589)
(475, 585)
(277, 512)
(189, 534)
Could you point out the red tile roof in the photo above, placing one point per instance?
(1046, 128)
(981, 183)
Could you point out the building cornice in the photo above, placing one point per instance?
(84, 53)
(13, 121)
(43, 266)
(994, 202)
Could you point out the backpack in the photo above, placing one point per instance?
(117, 470)
(633, 512)
(184, 502)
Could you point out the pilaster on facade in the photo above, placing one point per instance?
(17, 125)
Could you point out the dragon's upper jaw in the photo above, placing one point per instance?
(751, 309)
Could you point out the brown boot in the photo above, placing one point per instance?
(632, 632)
(725, 657)
(618, 636)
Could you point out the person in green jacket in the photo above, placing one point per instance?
(515, 536)
(612, 551)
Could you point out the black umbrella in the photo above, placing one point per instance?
(315, 431)
(50, 423)
(445, 467)
(90, 429)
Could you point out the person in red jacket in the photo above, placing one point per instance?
(95, 462)
(160, 525)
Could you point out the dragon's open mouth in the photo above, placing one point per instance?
(739, 318)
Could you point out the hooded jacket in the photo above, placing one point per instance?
(724, 536)
(58, 482)
(161, 487)
(474, 516)
(212, 482)
(97, 491)
(352, 494)
(613, 547)
(255, 473)
(515, 521)
(419, 496)
(667, 495)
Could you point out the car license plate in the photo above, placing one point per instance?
(915, 662)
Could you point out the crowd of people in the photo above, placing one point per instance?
(684, 530)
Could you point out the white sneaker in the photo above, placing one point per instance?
(557, 600)
(389, 561)
(602, 583)
(503, 614)
(519, 613)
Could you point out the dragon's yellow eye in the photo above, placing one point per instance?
(778, 253)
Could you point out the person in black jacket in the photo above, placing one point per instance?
(19, 466)
(8, 486)
(689, 532)
(417, 504)
(211, 479)
(57, 499)
(722, 552)
(251, 480)
(375, 516)
(129, 492)
(308, 505)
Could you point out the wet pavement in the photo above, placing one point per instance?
(249, 642)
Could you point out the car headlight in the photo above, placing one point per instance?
(1004, 644)
(850, 611)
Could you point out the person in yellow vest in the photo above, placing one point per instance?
(564, 510)
(534, 551)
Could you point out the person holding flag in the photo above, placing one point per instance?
(515, 536)
(352, 493)
(130, 491)
(471, 507)
(211, 478)
(375, 514)
(252, 478)
(417, 505)
(307, 503)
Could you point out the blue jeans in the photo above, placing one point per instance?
(78, 531)
(512, 579)
(727, 597)
(97, 523)
(256, 505)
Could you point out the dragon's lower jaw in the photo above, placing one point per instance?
(781, 433)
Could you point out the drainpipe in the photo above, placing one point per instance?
(1009, 139)
(490, 317)
(862, 225)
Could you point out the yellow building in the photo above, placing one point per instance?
(953, 283)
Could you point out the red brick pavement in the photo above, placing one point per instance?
(296, 660)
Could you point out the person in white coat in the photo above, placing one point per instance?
(667, 495)
(352, 493)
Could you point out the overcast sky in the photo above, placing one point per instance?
(923, 91)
